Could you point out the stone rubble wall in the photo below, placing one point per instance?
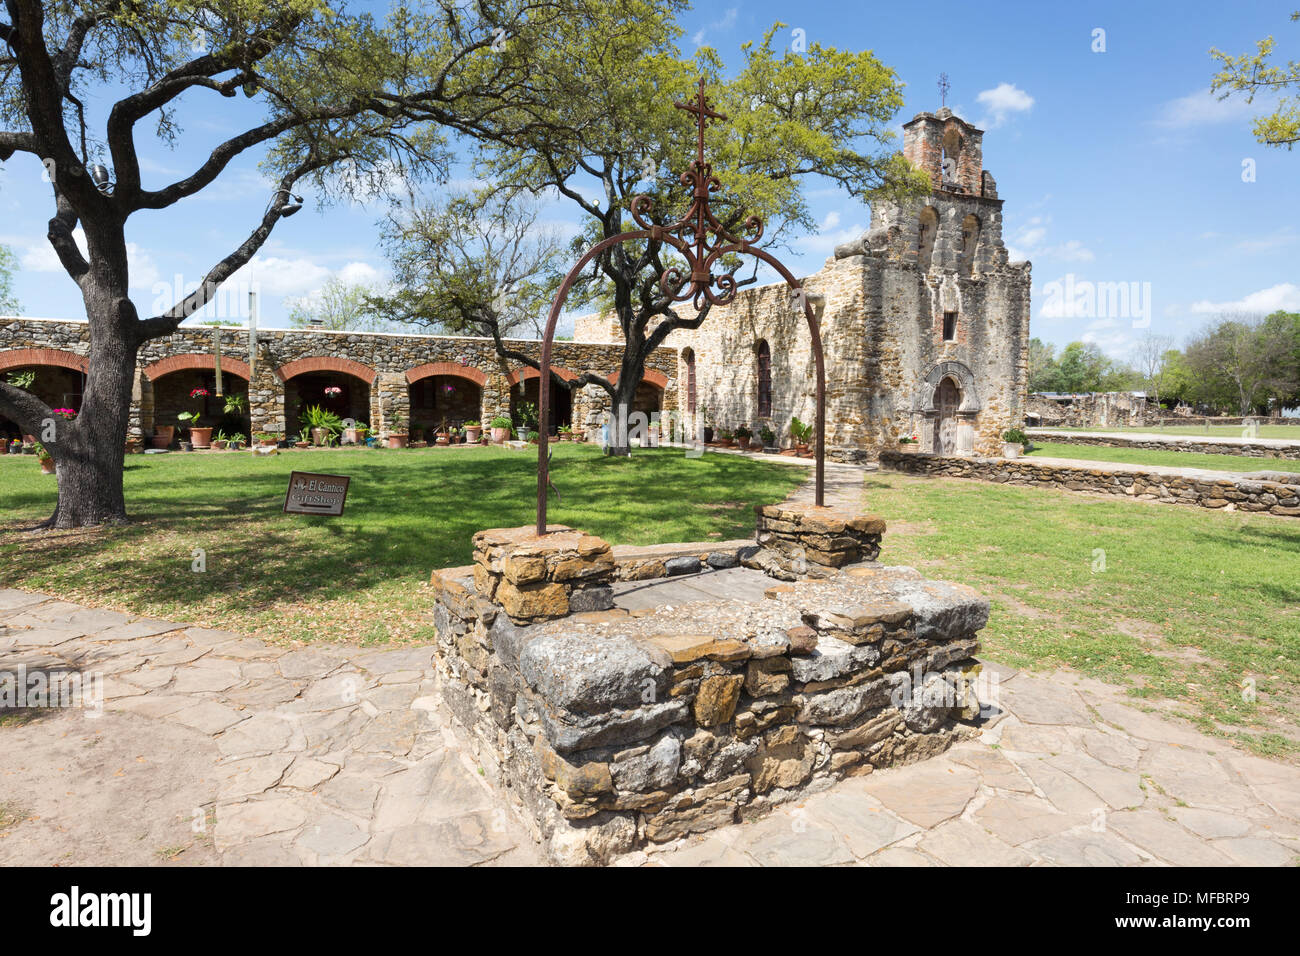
(1245, 448)
(618, 729)
(1280, 498)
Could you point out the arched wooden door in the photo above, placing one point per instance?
(947, 397)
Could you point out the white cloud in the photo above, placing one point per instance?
(273, 275)
(1002, 101)
(832, 220)
(1204, 108)
(1030, 242)
(1284, 295)
(824, 242)
(1114, 338)
(40, 257)
(726, 23)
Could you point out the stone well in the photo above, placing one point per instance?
(614, 728)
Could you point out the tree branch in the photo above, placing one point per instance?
(23, 407)
(167, 322)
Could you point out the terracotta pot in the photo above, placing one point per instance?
(472, 434)
(398, 441)
(162, 436)
(201, 437)
(499, 435)
(302, 444)
(442, 439)
(47, 466)
(801, 449)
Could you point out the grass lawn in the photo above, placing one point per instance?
(358, 577)
(1214, 431)
(1176, 459)
(1190, 603)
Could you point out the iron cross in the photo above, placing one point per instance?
(699, 105)
(943, 89)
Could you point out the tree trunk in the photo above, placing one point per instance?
(89, 452)
(625, 428)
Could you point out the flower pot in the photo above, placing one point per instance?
(162, 436)
(399, 441)
(910, 448)
(1012, 449)
(800, 449)
(187, 446)
(47, 466)
(201, 437)
(499, 435)
(351, 436)
(708, 434)
(472, 434)
(442, 439)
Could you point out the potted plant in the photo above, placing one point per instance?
(162, 436)
(443, 435)
(1014, 443)
(355, 433)
(501, 427)
(266, 438)
(473, 431)
(235, 441)
(565, 432)
(398, 436)
(725, 438)
(303, 439)
(45, 458)
(910, 444)
(200, 435)
(320, 424)
(801, 435)
(742, 435)
(220, 440)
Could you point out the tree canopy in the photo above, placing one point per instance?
(1255, 74)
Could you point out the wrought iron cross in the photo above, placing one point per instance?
(699, 105)
(943, 89)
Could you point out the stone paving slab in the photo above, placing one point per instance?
(211, 748)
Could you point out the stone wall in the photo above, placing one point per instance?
(1102, 410)
(615, 729)
(1280, 498)
(385, 363)
(1209, 445)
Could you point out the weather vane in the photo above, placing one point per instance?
(943, 89)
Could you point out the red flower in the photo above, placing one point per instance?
(199, 393)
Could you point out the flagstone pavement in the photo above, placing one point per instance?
(214, 748)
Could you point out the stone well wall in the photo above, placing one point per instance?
(615, 729)
(1243, 448)
(1280, 498)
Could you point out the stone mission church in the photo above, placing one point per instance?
(925, 326)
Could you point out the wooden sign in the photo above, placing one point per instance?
(312, 494)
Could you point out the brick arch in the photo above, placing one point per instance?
(193, 360)
(429, 369)
(651, 376)
(19, 358)
(326, 363)
(524, 374)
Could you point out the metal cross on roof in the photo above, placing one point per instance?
(943, 89)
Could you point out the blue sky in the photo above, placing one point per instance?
(1115, 166)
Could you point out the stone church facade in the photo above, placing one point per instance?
(925, 325)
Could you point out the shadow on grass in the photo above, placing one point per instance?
(210, 530)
